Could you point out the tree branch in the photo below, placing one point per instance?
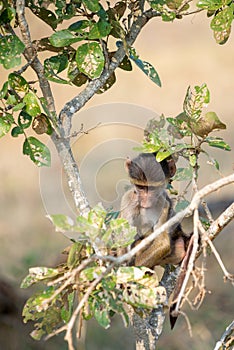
(227, 338)
(62, 145)
(222, 221)
(74, 105)
(72, 172)
(149, 329)
(31, 56)
(180, 216)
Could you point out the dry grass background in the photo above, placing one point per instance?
(184, 53)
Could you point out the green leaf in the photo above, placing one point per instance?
(12, 99)
(146, 67)
(92, 5)
(24, 120)
(181, 205)
(145, 297)
(211, 5)
(192, 160)
(218, 142)
(99, 30)
(7, 15)
(61, 222)
(168, 16)
(91, 273)
(176, 4)
(18, 83)
(47, 317)
(183, 174)
(212, 161)
(140, 286)
(79, 26)
(18, 107)
(79, 79)
(64, 38)
(90, 59)
(117, 30)
(37, 274)
(31, 104)
(222, 37)
(119, 9)
(4, 90)
(126, 64)
(74, 254)
(66, 310)
(55, 65)
(16, 131)
(223, 20)
(102, 315)
(45, 15)
(179, 126)
(127, 274)
(11, 48)
(195, 100)
(6, 121)
(155, 3)
(108, 84)
(119, 233)
(161, 155)
(66, 9)
(37, 151)
(90, 29)
(75, 76)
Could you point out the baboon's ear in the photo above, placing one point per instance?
(128, 162)
(169, 167)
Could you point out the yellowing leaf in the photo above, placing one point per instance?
(207, 123)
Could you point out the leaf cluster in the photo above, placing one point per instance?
(52, 307)
(80, 52)
(186, 135)
(21, 110)
(221, 12)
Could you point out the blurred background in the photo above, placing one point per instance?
(184, 53)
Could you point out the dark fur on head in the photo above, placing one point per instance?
(168, 165)
(144, 168)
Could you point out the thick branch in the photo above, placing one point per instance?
(223, 220)
(71, 170)
(31, 56)
(149, 329)
(62, 145)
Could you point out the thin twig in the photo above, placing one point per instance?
(82, 131)
(207, 211)
(226, 337)
(187, 321)
(119, 260)
(191, 262)
(68, 277)
(191, 12)
(75, 314)
(227, 275)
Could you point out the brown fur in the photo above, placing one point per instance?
(147, 206)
